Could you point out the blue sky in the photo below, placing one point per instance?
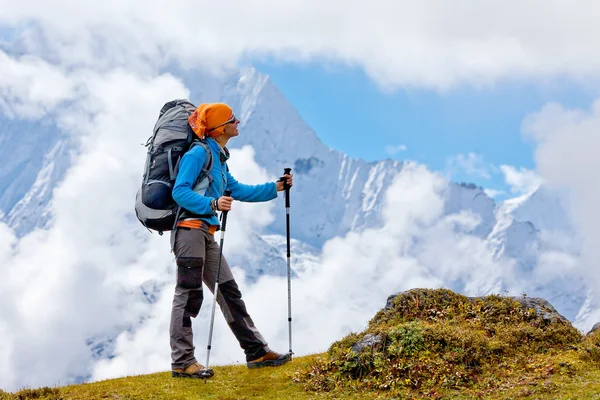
(351, 113)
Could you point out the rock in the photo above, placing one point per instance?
(595, 328)
(542, 307)
(367, 342)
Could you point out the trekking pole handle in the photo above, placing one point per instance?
(286, 171)
(228, 194)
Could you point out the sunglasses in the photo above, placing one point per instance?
(231, 120)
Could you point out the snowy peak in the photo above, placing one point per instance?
(35, 158)
(469, 197)
(250, 85)
(33, 209)
(546, 208)
(274, 128)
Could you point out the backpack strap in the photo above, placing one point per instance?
(204, 172)
(208, 164)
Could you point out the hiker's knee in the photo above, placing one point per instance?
(230, 290)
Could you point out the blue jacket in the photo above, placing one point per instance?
(189, 170)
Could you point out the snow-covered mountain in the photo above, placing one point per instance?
(36, 157)
(333, 194)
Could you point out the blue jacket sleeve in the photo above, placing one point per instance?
(183, 194)
(251, 193)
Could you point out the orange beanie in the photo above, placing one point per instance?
(209, 119)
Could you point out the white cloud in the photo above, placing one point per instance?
(81, 278)
(247, 218)
(519, 180)
(429, 44)
(494, 193)
(395, 149)
(567, 158)
(553, 264)
(522, 180)
(472, 164)
(30, 86)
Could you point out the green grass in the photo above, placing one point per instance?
(435, 344)
(239, 383)
(229, 383)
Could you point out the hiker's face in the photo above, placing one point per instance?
(231, 129)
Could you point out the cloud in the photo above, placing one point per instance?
(519, 180)
(567, 159)
(472, 164)
(82, 277)
(494, 193)
(522, 180)
(395, 149)
(396, 43)
(30, 86)
(247, 218)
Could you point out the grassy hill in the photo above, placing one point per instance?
(428, 344)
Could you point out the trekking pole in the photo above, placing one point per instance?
(208, 372)
(288, 171)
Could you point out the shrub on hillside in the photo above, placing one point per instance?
(426, 339)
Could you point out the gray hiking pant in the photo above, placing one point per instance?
(197, 256)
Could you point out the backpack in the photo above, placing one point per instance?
(171, 139)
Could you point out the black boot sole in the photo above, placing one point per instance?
(270, 363)
(203, 374)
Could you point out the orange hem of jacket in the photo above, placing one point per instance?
(196, 224)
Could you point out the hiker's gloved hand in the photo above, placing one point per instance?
(289, 178)
(224, 203)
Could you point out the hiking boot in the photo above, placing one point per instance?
(196, 370)
(271, 359)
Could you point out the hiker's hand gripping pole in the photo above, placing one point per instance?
(207, 373)
(288, 171)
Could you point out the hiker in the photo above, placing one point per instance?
(197, 252)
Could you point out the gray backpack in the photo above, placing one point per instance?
(171, 139)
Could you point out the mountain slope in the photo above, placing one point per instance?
(35, 158)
